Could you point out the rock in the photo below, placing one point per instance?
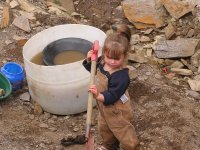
(194, 69)
(175, 81)
(148, 31)
(135, 38)
(46, 116)
(149, 52)
(159, 38)
(179, 71)
(75, 129)
(53, 129)
(55, 10)
(75, 14)
(5, 17)
(145, 39)
(25, 5)
(8, 42)
(176, 8)
(43, 125)
(195, 58)
(37, 109)
(64, 5)
(66, 117)
(190, 33)
(197, 77)
(159, 61)
(168, 62)
(193, 94)
(158, 76)
(184, 47)
(176, 64)
(169, 31)
(132, 72)
(148, 73)
(51, 121)
(29, 7)
(132, 48)
(14, 4)
(139, 25)
(147, 46)
(137, 58)
(25, 97)
(28, 15)
(153, 14)
(197, 12)
(194, 85)
(31, 117)
(42, 145)
(22, 23)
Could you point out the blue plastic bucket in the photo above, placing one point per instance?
(14, 73)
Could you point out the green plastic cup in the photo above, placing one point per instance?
(5, 85)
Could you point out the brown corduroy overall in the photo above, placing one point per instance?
(114, 121)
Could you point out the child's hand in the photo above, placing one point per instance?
(94, 91)
(98, 96)
(89, 54)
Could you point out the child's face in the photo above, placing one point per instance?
(114, 62)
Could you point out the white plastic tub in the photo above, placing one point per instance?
(60, 89)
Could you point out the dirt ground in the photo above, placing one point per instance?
(166, 118)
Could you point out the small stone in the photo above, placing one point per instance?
(66, 117)
(169, 31)
(22, 23)
(25, 97)
(149, 52)
(148, 73)
(46, 115)
(193, 94)
(141, 143)
(148, 31)
(76, 129)
(51, 121)
(54, 117)
(158, 76)
(31, 117)
(42, 145)
(37, 108)
(43, 125)
(175, 82)
(53, 129)
(176, 64)
(14, 4)
(190, 33)
(135, 38)
(145, 39)
(8, 42)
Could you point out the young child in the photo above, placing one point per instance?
(110, 90)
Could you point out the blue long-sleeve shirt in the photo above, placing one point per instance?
(118, 82)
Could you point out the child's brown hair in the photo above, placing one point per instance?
(123, 30)
(117, 44)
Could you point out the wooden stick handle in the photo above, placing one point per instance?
(90, 99)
